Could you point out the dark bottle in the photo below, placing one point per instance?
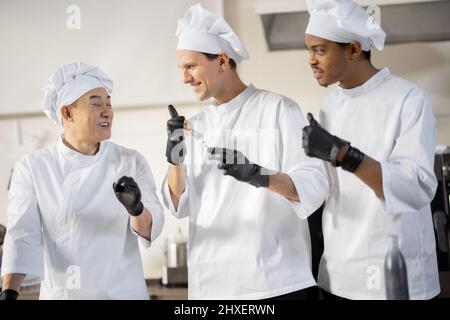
(395, 273)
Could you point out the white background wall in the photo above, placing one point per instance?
(133, 41)
(143, 128)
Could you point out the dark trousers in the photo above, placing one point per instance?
(331, 297)
(311, 293)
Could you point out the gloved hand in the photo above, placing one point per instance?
(128, 193)
(175, 150)
(9, 294)
(319, 143)
(235, 164)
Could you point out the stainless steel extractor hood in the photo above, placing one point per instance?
(285, 21)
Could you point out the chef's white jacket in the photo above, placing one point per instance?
(390, 120)
(247, 242)
(67, 228)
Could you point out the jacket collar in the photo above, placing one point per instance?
(75, 155)
(236, 102)
(367, 86)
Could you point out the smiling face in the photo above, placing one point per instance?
(328, 60)
(202, 74)
(90, 118)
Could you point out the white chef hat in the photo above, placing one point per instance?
(69, 83)
(344, 21)
(204, 31)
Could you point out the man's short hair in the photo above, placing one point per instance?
(367, 54)
(212, 56)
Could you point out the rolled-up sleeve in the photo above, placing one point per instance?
(183, 204)
(307, 174)
(23, 246)
(150, 200)
(409, 182)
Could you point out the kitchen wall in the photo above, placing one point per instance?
(286, 72)
(134, 42)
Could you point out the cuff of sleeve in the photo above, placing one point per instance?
(402, 180)
(397, 190)
(311, 196)
(167, 198)
(157, 224)
(31, 276)
(386, 174)
(145, 242)
(28, 261)
(157, 213)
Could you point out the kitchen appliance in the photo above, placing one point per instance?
(175, 272)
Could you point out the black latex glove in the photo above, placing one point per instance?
(128, 193)
(9, 294)
(175, 150)
(235, 164)
(319, 143)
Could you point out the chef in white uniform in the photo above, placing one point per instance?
(248, 233)
(78, 207)
(383, 182)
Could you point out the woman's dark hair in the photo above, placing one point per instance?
(212, 56)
